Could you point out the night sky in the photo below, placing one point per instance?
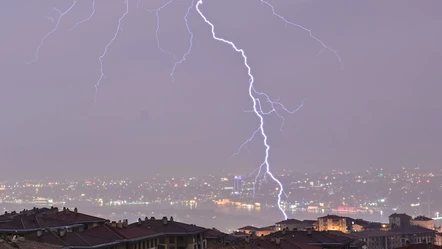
(383, 109)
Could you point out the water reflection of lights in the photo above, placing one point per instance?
(191, 204)
(240, 205)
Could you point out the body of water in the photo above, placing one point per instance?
(224, 218)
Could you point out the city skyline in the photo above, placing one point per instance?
(370, 193)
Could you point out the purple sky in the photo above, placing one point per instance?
(383, 109)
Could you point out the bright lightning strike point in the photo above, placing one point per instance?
(255, 103)
(107, 47)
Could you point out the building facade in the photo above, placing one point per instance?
(379, 239)
(423, 221)
(237, 185)
(332, 223)
(438, 239)
(399, 220)
(415, 235)
(293, 225)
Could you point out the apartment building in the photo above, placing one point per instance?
(423, 221)
(333, 223)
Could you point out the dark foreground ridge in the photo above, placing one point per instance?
(47, 228)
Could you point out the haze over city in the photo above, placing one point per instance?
(125, 110)
(382, 109)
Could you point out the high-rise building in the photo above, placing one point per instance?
(237, 185)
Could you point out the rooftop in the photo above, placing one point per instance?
(24, 223)
(313, 237)
(374, 233)
(166, 226)
(76, 217)
(270, 243)
(214, 234)
(289, 221)
(332, 216)
(134, 232)
(412, 229)
(267, 228)
(252, 228)
(100, 235)
(422, 218)
(310, 222)
(396, 215)
(25, 244)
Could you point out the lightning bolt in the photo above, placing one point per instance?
(258, 98)
(276, 106)
(86, 19)
(246, 142)
(177, 62)
(259, 169)
(255, 100)
(107, 47)
(324, 47)
(172, 74)
(157, 13)
(57, 24)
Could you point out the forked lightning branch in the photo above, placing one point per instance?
(258, 98)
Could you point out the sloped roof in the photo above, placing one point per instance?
(396, 215)
(422, 218)
(310, 222)
(332, 216)
(268, 243)
(75, 217)
(252, 228)
(36, 218)
(267, 228)
(240, 234)
(23, 223)
(313, 237)
(4, 219)
(27, 212)
(69, 239)
(99, 235)
(412, 229)
(28, 245)
(298, 245)
(289, 221)
(16, 224)
(374, 233)
(135, 232)
(171, 227)
(214, 234)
